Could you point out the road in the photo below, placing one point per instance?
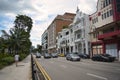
(61, 69)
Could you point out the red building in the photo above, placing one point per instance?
(105, 28)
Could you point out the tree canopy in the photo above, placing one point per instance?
(17, 41)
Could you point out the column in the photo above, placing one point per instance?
(86, 47)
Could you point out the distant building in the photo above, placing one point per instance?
(63, 41)
(45, 42)
(105, 28)
(56, 26)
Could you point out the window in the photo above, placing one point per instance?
(93, 21)
(109, 1)
(68, 41)
(102, 16)
(78, 36)
(118, 5)
(94, 35)
(71, 30)
(106, 1)
(67, 33)
(107, 13)
(61, 36)
(111, 12)
(103, 4)
(72, 39)
(96, 19)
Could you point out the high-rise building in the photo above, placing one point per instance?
(60, 22)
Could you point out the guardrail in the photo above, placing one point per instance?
(38, 73)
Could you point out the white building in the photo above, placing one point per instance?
(63, 41)
(79, 33)
(45, 42)
(76, 37)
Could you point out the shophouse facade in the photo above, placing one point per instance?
(105, 28)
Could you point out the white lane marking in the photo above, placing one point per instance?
(97, 76)
(85, 63)
(63, 66)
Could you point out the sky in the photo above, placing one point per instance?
(42, 13)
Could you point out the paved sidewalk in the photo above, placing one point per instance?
(22, 72)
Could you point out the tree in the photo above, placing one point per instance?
(39, 48)
(17, 41)
(64, 27)
(23, 26)
(23, 22)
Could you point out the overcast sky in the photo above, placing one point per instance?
(42, 13)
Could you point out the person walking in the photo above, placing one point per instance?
(16, 59)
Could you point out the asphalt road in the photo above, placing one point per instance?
(61, 69)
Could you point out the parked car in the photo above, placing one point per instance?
(38, 55)
(47, 55)
(54, 55)
(103, 57)
(85, 56)
(82, 55)
(111, 58)
(72, 57)
(61, 54)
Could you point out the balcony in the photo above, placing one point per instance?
(108, 35)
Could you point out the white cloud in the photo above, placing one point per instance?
(43, 12)
(87, 6)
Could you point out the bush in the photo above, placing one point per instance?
(22, 56)
(8, 60)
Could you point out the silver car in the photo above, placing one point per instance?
(73, 57)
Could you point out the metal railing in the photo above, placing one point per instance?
(38, 73)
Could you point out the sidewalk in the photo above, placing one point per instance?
(22, 72)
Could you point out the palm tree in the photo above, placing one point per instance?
(18, 38)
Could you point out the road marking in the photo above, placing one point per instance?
(85, 63)
(97, 76)
(63, 66)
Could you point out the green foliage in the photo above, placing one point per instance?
(8, 60)
(39, 48)
(22, 56)
(16, 41)
(64, 27)
(5, 60)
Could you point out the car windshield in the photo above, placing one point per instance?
(106, 55)
(74, 55)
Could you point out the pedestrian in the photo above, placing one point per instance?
(16, 59)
